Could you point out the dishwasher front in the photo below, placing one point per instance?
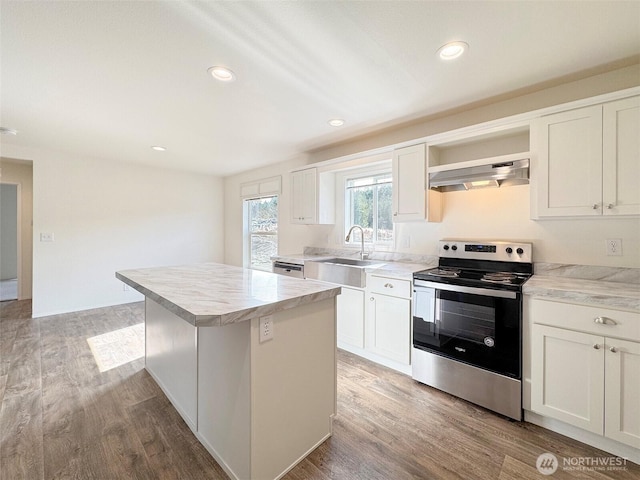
(289, 269)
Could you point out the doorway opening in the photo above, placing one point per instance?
(9, 241)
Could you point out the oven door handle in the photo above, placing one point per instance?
(462, 289)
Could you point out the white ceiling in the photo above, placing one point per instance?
(109, 79)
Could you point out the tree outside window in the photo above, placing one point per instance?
(262, 231)
(368, 201)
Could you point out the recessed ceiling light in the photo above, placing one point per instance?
(336, 122)
(452, 50)
(8, 131)
(158, 148)
(222, 73)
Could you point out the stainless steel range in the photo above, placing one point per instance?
(467, 322)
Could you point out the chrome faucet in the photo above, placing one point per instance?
(362, 254)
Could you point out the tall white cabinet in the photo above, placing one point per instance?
(588, 161)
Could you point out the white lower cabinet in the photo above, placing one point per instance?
(350, 312)
(388, 318)
(586, 378)
(567, 376)
(375, 322)
(622, 391)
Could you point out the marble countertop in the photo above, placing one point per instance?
(213, 294)
(619, 295)
(391, 268)
(298, 258)
(401, 270)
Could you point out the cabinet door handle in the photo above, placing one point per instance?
(596, 346)
(372, 299)
(609, 206)
(613, 349)
(604, 321)
(595, 206)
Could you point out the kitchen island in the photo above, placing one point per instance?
(258, 405)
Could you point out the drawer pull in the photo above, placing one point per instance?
(596, 346)
(604, 321)
(613, 349)
(388, 285)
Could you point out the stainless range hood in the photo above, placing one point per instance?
(475, 174)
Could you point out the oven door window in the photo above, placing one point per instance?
(477, 329)
(466, 317)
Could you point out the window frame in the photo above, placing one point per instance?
(371, 171)
(247, 233)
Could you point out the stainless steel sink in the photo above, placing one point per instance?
(343, 271)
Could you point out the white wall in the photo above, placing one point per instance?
(491, 213)
(21, 173)
(109, 216)
(503, 213)
(8, 231)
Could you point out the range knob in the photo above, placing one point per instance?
(509, 250)
(454, 248)
(519, 251)
(446, 247)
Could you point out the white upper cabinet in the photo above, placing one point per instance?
(621, 157)
(588, 161)
(411, 199)
(312, 197)
(303, 196)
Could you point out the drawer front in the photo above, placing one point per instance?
(390, 286)
(599, 321)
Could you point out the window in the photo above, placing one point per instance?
(368, 203)
(261, 227)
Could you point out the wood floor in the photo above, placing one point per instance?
(60, 418)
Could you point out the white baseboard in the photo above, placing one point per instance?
(598, 441)
(361, 352)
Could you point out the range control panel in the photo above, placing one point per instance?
(487, 250)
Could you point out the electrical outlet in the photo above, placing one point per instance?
(266, 328)
(614, 246)
(46, 237)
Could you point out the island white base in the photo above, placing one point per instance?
(258, 408)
